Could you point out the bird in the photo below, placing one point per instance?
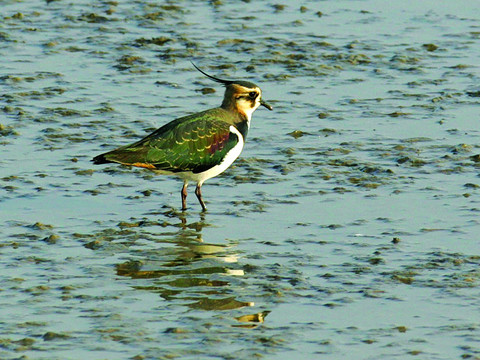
(199, 146)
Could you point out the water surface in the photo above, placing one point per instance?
(347, 229)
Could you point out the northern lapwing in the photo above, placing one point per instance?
(196, 147)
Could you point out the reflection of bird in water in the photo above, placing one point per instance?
(196, 147)
(197, 251)
(190, 251)
(197, 273)
(189, 271)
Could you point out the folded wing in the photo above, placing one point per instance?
(192, 143)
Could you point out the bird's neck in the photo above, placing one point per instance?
(239, 119)
(243, 127)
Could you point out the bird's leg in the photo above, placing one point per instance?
(198, 192)
(184, 195)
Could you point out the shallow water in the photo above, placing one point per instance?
(347, 229)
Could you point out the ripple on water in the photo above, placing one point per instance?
(349, 222)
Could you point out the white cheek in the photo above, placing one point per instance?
(246, 108)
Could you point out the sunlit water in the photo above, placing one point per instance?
(347, 229)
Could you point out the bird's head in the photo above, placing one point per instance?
(240, 96)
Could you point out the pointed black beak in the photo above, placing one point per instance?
(267, 105)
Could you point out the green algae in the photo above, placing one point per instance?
(296, 134)
(93, 18)
(128, 61)
(8, 130)
(51, 336)
(159, 41)
(430, 47)
(206, 90)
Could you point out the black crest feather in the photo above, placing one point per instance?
(221, 81)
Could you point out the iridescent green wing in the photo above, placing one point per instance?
(192, 143)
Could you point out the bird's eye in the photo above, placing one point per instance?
(252, 94)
